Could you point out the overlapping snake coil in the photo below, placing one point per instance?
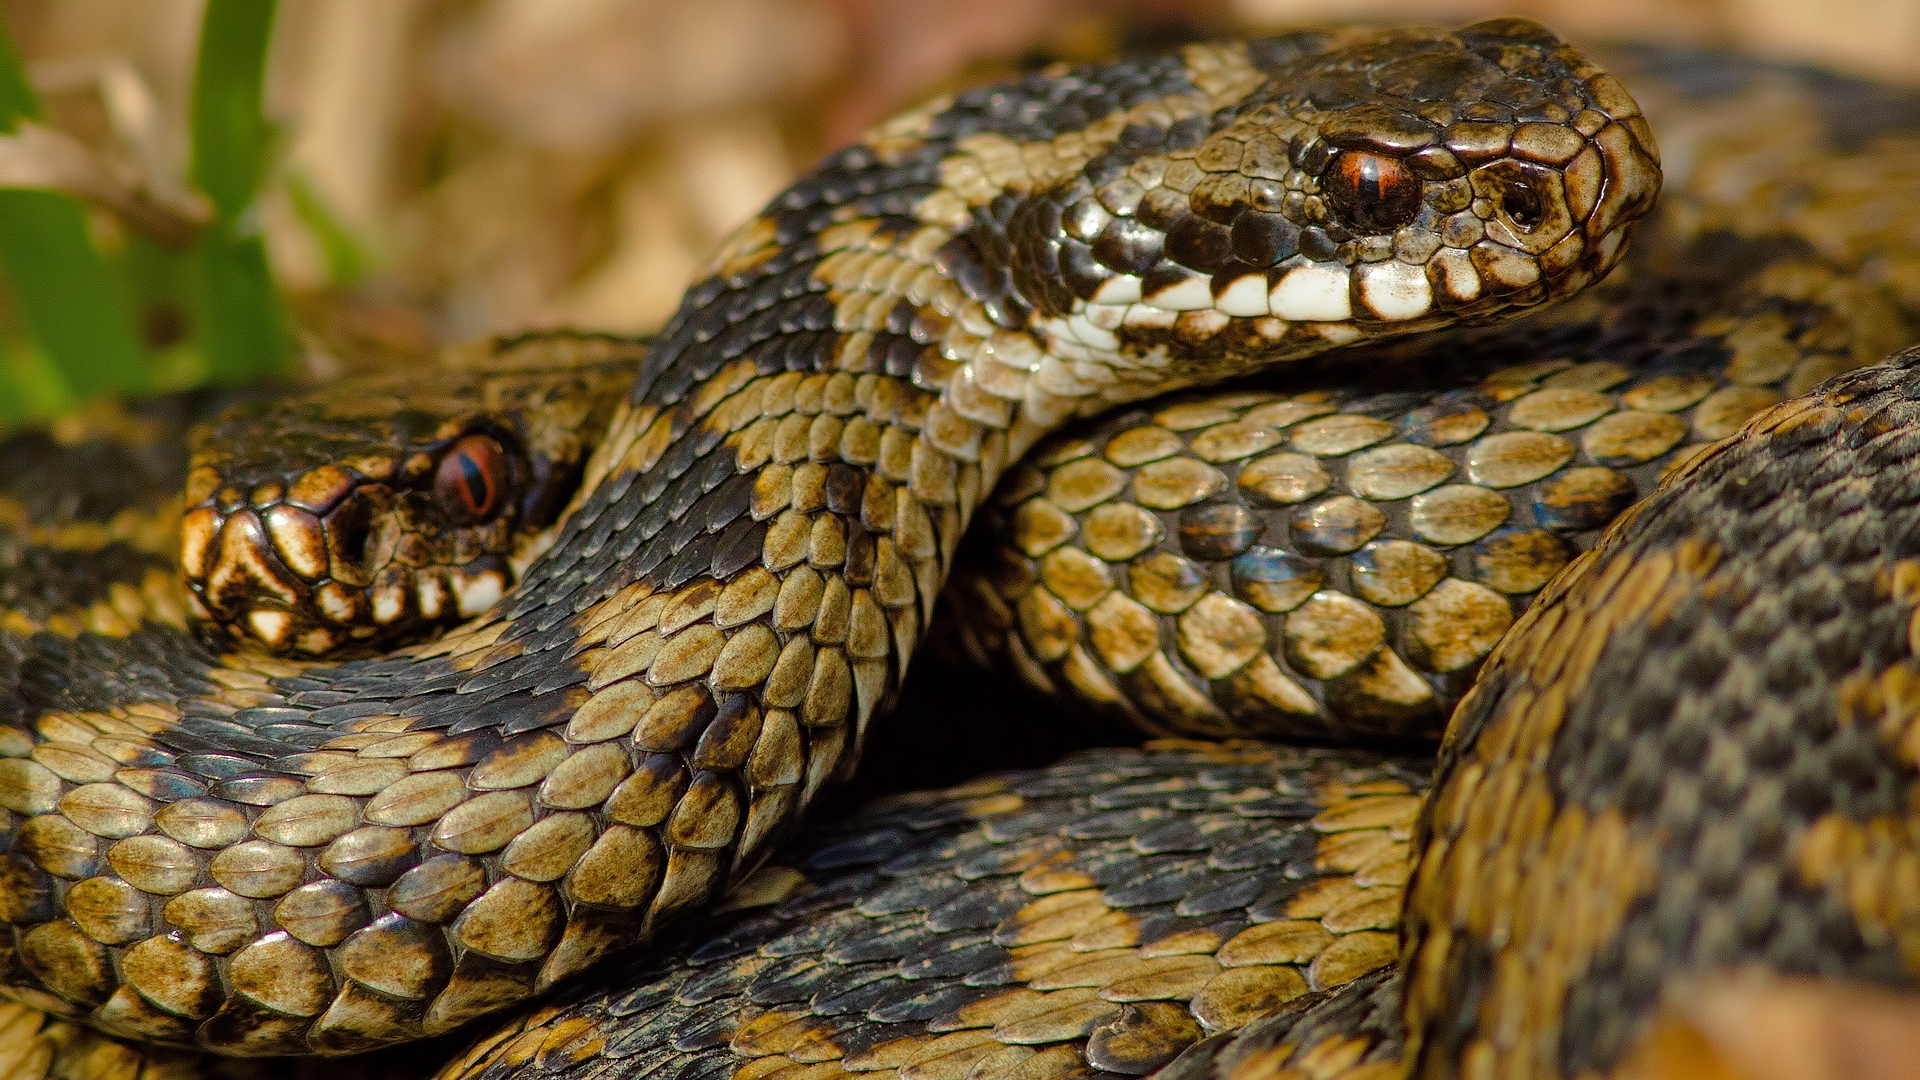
(678, 601)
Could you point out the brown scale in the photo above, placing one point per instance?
(488, 820)
(1351, 1032)
(1024, 893)
(261, 856)
(1621, 668)
(1010, 926)
(1408, 539)
(1799, 874)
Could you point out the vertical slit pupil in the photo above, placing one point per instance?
(1372, 191)
(468, 482)
(475, 487)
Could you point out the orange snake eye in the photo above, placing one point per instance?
(470, 481)
(1372, 192)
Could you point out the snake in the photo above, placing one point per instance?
(227, 850)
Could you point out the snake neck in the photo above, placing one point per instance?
(810, 438)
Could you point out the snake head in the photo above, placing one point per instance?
(383, 508)
(1497, 159)
(1279, 197)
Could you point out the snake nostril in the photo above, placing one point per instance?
(1521, 203)
(361, 537)
(352, 540)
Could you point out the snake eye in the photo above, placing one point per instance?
(471, 479)
(1372, 192)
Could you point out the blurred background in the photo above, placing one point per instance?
(328, 183)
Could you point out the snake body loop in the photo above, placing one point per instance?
(260, 857)
(1691, 756)
(1691, 752)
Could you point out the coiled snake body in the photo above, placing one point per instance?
(264, 856)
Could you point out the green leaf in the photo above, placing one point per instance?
(65, 294)
(229, 133)
(243, 330)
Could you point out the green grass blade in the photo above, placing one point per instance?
(64, 292)
(66, 295)
(229, 133)
(242, 328)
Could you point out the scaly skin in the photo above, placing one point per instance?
(375, 510)
(1782, 252)
(256, 857)
(1329, 555)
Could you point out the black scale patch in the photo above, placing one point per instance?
(1042, 106)
(42, 581)
(44, 672)
(106, 476)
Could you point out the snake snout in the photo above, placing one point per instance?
(265, 571)
(232, 571)
(1380, 183)
(360, 535)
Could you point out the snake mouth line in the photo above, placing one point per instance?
(245, 566)
(1254, 217)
